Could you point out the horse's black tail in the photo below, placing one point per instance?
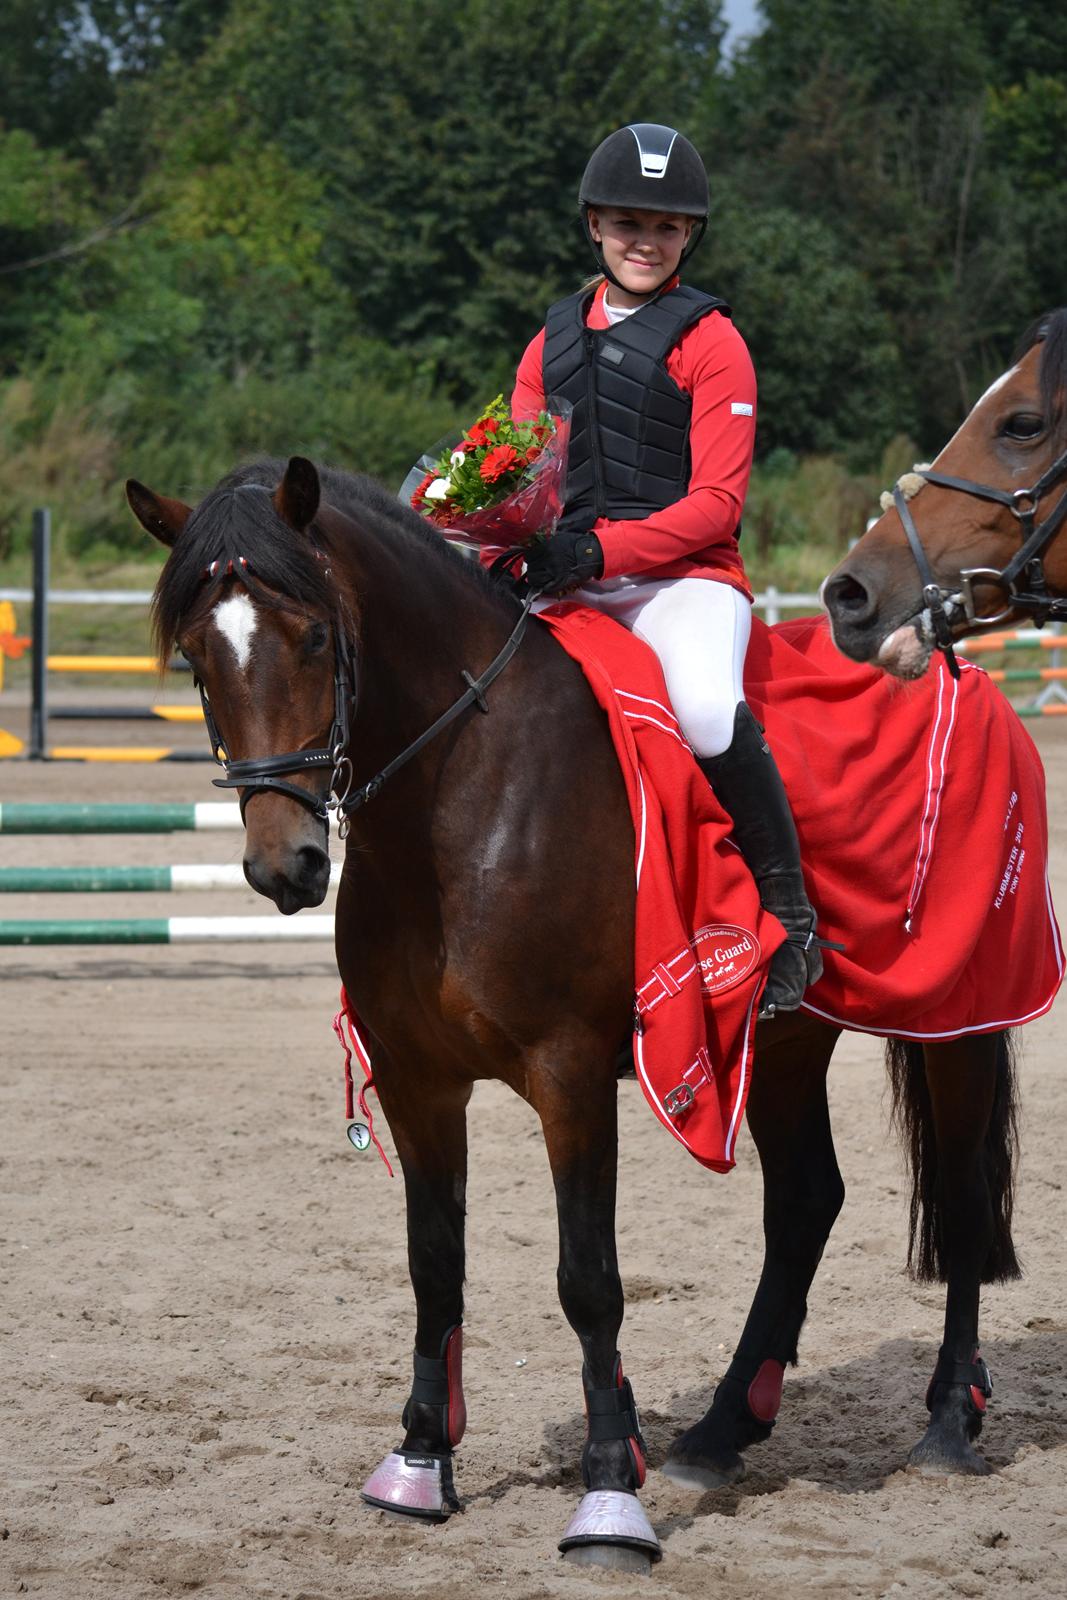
(913, 1119)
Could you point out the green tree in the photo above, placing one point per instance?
(827, 360)
(450, 139)
(870, 116)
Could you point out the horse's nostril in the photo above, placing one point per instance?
(845, 596)
(254, 877)
(312, 863)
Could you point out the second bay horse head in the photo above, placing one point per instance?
(973, 541)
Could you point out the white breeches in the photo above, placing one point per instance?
(699, 629)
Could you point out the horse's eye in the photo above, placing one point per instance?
(1023, 425)
(317, 638)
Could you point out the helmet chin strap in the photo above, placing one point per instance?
(700, 225)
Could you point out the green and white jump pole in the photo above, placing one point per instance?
(127, 880)
(29, 818)
(169, 930)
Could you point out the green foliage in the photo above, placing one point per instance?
(229, 226)
(826, 357)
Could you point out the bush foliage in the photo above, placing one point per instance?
(264, 226)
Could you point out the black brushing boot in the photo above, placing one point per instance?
(749, 787)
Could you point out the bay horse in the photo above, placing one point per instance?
(485, 930)
(980, 547)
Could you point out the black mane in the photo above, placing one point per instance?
(237, 518)
(1050, 331)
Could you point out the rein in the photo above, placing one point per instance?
(1034, 598)
(262, 772)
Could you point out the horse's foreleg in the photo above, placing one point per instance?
(803, 1193)
(963, 1221)
(580, 1125)
(429, 1126)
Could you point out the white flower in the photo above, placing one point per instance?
(458, 457)
(438, 490)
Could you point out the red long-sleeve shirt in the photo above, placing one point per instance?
(694, 538)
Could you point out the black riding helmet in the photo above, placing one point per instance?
(648, 167)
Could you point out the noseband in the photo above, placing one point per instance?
(263, 772)
(1031, 597)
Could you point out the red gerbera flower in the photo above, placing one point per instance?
(480, 434)
(421, 490)
(499, 460)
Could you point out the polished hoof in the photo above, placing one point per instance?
(703, 1475)
(935, 1458)
(413, 1486)
(610, 1524)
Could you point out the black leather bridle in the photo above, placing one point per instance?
(1030, 596)
(264, 772)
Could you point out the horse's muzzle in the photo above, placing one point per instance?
(298, 880)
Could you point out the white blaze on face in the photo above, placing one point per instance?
(235, 619)
(998, 383)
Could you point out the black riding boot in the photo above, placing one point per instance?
(749, 787)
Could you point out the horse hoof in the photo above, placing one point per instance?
(608, 1526)
(610, 1557)
(409, 1485)
(704, 1475)
(936, 1460)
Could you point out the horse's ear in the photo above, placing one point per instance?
(296, 499)
(164, 519)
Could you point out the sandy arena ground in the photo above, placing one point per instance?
(208, 1323)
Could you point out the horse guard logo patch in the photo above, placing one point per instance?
(726, 955)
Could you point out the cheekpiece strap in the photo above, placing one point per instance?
(932, 597)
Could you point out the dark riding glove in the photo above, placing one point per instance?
(563, 562)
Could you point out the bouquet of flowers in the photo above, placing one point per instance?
(501, 484)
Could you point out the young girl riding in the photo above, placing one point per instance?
(662, 434)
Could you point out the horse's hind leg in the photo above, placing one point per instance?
(580, 1126)
(429, 1125)
(958, 1109)
(803, 1192)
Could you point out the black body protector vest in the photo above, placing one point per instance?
(629, 444)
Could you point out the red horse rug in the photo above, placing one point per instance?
(921, 814)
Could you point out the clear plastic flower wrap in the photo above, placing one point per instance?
(500, 484)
